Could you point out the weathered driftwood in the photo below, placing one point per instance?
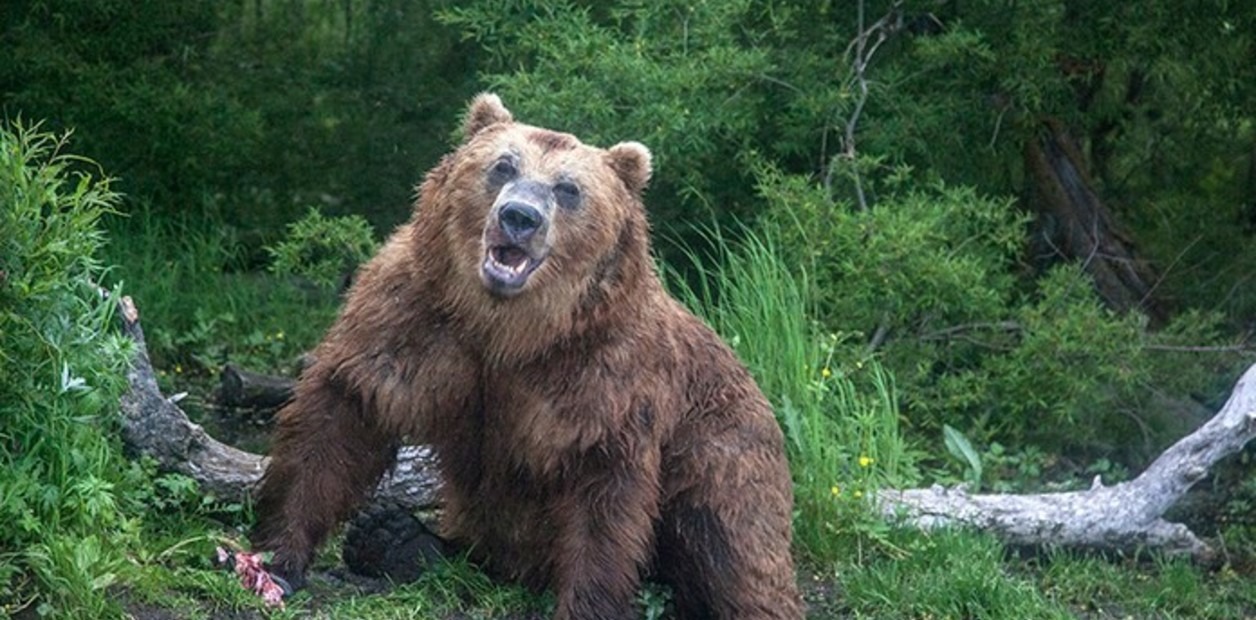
(241, 388)
(153, 425)
(1123, 516)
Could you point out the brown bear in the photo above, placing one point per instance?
(589, 429)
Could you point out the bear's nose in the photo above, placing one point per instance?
(519, 221)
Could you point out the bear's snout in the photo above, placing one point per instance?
(519, 221)
(516, 242)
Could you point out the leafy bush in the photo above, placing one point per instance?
(243, 112)
(67, 522)
(928, 282)
(324, 249)
(673, 75)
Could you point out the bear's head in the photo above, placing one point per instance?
(533, 218)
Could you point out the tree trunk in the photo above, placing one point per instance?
(1074, 224)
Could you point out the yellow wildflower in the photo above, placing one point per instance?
(858, 494)
(865, 460)
(835, 491)
(826, 373)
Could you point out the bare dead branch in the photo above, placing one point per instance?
(879, 32)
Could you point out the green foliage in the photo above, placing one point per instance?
(133, 90)
(201, 307)
(322, 249)
(928, 279)
(243, 111)
(61, 371)
(962, 450)
(1154, 94)
(653, 601)
(675, 75)
(921, 259)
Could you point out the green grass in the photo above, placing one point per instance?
(450, 588)
(943, 575)
(64, 500)
(200, 303)
(1151, 587)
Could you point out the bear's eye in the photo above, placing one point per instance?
(505, 169)
(567, 194)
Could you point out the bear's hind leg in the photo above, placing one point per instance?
(724, 538)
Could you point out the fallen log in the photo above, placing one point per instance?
(153, 425)
(1125, 516)
(241, 388)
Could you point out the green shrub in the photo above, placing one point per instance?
(67, 526)
(676, 76)
(325, 250)
(928, 282)
(246, 112)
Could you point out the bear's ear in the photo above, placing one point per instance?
(486, 109)
(631, 161)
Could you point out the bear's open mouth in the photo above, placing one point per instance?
(511, 259)
(506, 268)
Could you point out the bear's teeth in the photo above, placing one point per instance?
(513, 270)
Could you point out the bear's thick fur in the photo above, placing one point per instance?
(589, 429)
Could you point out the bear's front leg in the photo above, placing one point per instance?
(327, 456)
(604, 538)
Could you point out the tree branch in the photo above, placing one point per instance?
(863, 53)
